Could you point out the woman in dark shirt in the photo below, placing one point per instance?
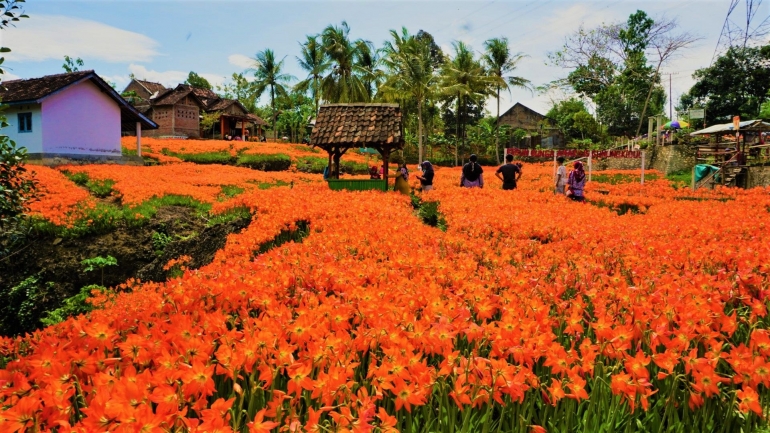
(426, 180)
(473, 176)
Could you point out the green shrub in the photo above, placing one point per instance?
(311, 164)
(314, 165)
(100, 188)
(229, 191)
(207, 158)
(72, 306)
(275, 162)
(80, 179)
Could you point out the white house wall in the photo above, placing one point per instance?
(81, 120)
(32, 140)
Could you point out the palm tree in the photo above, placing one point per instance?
(314, 61)
(367, 66)
(342, 84)
(464, 79)
(500, 62)
(409, 62)
(268, 74)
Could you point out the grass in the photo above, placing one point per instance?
(106, 217)
(680, 179)
(101, 188)
(229, 191)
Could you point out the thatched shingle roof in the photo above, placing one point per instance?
(358, 125)
(35, 90)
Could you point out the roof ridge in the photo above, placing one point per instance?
(84, 73)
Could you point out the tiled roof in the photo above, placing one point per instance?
(36, 88)
(151, 87)
(221, 104)
(358, 124)
(172, 96)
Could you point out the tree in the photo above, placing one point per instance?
(572, 119)
(343, 83)
(17, 186)
(72, 65)
(315, 62)
(736, 84)
(500, 62)
(268, 74)
(241, 89)
(464, 81)
(196, 80)
(412, 74)
(609, 65)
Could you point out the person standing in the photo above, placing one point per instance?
(509, 173)
(426, 180)
(577, 182)
(402, 180)
(473, 176)
(561, 176)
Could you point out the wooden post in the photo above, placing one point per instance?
(222, 127)
(555, 167)
(644, 153)
(650, 125)
(385, 158)
(590, 163)
(243, 130)
(692, 180)
(139, 139)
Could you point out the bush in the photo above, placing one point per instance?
(207, 158)
(311, 164)
(275, 162)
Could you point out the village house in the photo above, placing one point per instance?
(74, 115)
(539, 131)
(178, 111)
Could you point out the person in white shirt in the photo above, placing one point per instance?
(561, 176)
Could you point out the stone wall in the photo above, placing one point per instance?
(672, 159)
(758, 176)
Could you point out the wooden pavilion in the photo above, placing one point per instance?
(734, 149)
(340, 127)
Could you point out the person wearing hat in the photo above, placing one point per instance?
(472, 176)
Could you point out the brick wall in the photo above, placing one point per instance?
(187, 120)
(161, 116)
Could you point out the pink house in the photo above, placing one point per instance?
(75, 115)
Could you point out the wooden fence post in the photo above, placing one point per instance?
(643, 162)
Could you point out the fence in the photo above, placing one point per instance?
(574, 153)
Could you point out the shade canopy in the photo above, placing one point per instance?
(723, 128)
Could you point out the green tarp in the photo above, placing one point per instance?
(703, 170)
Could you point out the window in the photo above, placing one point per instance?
(25, 122)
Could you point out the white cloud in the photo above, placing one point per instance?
(7, 76)
(54, 36)
(170, 78)
(240, 60)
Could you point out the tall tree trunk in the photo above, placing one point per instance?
(419, 140)
(647, 101)
(497, 129)
(272, 106)
(457, 132)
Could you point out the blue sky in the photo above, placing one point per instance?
(163, 40)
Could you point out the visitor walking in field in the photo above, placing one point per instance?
(561, 176)
(402, 180)
(426, 180)
(473, 174)
(577, 182)
(509, 173)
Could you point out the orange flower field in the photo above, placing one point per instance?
(153, 147)
(57, 196)
(645, 309)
